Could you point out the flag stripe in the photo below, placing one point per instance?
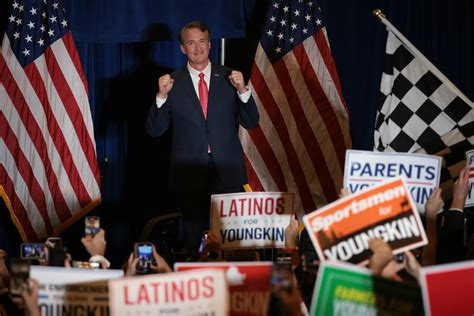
(28, 127)
(323, 98)
(308, 140)
(62, 162)
(72, 108)
(20, 216)
(278, 122)
(325, 54)
(22, 147)
(68, 42)
(37, 202)
(71, 153)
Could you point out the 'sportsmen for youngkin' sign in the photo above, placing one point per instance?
(342, 229)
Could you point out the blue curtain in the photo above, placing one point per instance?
(126, 45)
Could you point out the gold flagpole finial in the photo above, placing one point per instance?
(378, 13)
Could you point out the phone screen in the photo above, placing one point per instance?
(32, 251)
(144, 253)
(92, 226)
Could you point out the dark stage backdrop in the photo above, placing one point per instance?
(126, 45)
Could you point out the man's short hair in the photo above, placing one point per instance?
(194, 25)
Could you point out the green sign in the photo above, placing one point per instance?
(351, 290)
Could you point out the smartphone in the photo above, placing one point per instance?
(91, 226)
(85, 265)
(54, 242)
(32, 251)
(281, 277)
(144, 253)
(19, 275)
(56, 257)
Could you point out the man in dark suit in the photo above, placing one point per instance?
(203, 104)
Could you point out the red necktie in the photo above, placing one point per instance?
(203, 94)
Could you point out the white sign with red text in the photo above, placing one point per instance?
(251, 219)
(203, 292)
(72, 291)
(470, 163)
(249, 284)
(364, 169)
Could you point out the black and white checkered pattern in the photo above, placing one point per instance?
(454, 146)
(417, 108)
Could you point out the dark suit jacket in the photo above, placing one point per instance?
(191, 133)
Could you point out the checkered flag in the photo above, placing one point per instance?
(418, 106)
(421, 110)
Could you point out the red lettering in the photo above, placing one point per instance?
(208, 286)
(280, 206)
(177, 290)
(193, 289)
(126, 298)
(242, 206)
(269, 205)
(221, 211)
(257, 205)
(233, 208)
(143, 295)
(156, 297)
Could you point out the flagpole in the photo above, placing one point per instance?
(379, 14)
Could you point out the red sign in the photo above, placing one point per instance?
(249, 284)
(448, 289)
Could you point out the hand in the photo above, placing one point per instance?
(434, 203)
(461, 189)
(30, 297)
(344, 192)
(161, 264)
(382, 255)
(291, 233)
(412, 265)
(131, 268)
(165, 84)
(290, 300)
(95, 245)
(237, 80)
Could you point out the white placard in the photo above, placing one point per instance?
(251, 220)
(364, 169)
(72, 291)
(199, 292)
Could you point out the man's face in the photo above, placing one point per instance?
(196, 46)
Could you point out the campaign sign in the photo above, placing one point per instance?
(251, 220)
(343, 289)
(203, 292)
(342, 229)
(71, 291)
(470, 163)
(249, 284)
(364, 169)
(447, 288)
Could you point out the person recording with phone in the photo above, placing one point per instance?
(140, 263)
(203, 104)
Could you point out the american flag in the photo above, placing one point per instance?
(300, 143)
(49, 173)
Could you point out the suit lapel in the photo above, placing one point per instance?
(217, 79)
